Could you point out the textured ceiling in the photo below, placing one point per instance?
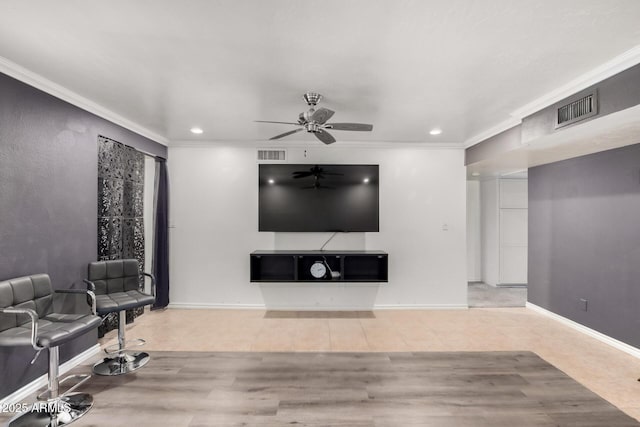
(405, 66)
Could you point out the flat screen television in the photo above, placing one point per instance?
(318, 197)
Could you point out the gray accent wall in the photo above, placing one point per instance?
(48, 201)
(584, 241)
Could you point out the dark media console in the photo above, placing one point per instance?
(319, 266)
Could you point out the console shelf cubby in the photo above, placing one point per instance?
(295, 266)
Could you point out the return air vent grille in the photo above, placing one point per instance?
(268, 156)
(579, 109)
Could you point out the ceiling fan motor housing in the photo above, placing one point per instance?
(312, 127)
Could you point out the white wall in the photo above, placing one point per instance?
(474, 229)
(214, 215)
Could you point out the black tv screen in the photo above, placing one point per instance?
(318, 197)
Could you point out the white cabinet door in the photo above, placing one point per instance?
(513, 246)
(514, 193)
(513, 227)
(513, 266)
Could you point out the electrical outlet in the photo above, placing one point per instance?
(583, 304)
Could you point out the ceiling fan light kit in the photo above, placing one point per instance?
(315, 121)
(312, 98)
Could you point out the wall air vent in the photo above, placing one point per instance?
(578, 109)
(272, 155)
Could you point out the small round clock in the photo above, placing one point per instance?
(318, 269)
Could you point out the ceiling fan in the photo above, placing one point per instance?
(315, 121)
(317, 173)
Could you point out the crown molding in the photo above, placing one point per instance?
(610, 68)
(32, 79)
(313, 144)
(500, 127)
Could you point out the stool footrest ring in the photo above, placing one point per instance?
(128, 345)
(81, 378)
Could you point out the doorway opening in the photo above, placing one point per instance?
(497, 236)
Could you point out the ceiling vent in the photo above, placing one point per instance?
(586, 105)
(272, 155)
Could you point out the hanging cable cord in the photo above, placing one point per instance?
(329, 239)
(333, 274)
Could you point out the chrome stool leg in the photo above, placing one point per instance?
(54, 410)
(120, 361)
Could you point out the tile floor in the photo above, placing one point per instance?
(608, 372)
(483, 295)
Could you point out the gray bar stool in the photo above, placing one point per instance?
(27, 318)
(116, 285)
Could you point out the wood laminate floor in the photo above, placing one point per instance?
(439, 389)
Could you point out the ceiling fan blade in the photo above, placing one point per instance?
(282, 135)
(349, 126)
(284, 123)
(321, 115)
(297, 175)
(325, 136)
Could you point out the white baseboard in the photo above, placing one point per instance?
(420, 307)
(629, 349)
(205, 306)
(35, 385)
(184, 305)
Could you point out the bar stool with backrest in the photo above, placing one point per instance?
(116, 284)
(27, 318)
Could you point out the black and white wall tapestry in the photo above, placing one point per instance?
(120, 210)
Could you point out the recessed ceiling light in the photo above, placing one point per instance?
(197, 131)
(366, 180)
(475, 174)
(271, 181)
(435, 131)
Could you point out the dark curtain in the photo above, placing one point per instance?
(161, 235)
(120, 211)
